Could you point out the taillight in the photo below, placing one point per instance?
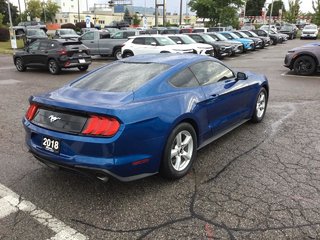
(103, 126)
(62, 51)
(31, 111)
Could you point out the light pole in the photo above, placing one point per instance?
(180, 19)
(78, 11)
(270, 18)
(12, 34)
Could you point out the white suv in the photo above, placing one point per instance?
(309, 31)
(150, 44)
(200, 48)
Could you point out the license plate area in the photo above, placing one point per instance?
(82, 61)
(51, 145)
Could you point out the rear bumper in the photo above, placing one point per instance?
(71, 62)
(114, 157)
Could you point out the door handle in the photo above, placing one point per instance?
(214, 96)
(92, 42)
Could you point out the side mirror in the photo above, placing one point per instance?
(241, 76)
(153, 44)
(79, 38)
(179, 42)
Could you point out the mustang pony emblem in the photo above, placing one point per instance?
(53, 118)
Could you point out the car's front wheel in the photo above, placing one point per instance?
(117, 54)
(53, 67)
(260, 107)
(20, 65)
(180, 152)
(304, 65)
(83, 68)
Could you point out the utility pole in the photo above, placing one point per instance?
(163, 4)
(270, 18)
(12, 33)
(180, 19)
(78, 11)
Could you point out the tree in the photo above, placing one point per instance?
(293, 12)
(34, 9)
(277, 5)
(50, 10)
(4, 12)
(217, 11)
(254, 7)
(127, 17)
(316, 9)
(136, 20)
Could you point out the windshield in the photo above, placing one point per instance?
(120, 77)
(221, 37)
(67, 32)
(242, 34)
(187, 39)
(36, 32)
(164, 41)
(310, 27)
(208, 38)
(234, 36)
(253, 34)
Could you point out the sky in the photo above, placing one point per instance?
(174, 5)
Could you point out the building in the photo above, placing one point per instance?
(102, 14)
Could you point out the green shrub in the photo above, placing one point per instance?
(69, 25)
(4, 34)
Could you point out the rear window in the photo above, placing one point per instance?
(120, 77)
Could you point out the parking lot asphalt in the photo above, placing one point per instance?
(261, 181)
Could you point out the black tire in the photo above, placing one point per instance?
(127, 54)
(83, 68)
(117, 54)
(20, 65)
(189, 148)
(304, 65)
(53, 67)
(260, 106)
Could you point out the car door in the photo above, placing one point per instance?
(31, 58)
(88, 39)
(143, 45)
(41, 54)
(227, 99)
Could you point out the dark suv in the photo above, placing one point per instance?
(304, 60)
(53, 54)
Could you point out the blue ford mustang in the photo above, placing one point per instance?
(142, 115)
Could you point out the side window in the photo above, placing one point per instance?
(175, 39)
(34, 46)
(184, 79)
(118, 35)
(211, 72)
(139, 41)
(88, 36)
(227, 35)
(150, 40)
(43, 46)
(196, 38)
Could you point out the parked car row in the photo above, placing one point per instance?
(69, 50)
(215, 44)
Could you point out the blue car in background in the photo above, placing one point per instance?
(142, 115)
(248, 44)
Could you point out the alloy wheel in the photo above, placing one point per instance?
(181, 150)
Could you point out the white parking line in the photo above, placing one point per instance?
(10, 202)
(7, 68)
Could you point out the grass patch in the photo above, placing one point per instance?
(5, 47)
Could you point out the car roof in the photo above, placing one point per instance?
(167, 58)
